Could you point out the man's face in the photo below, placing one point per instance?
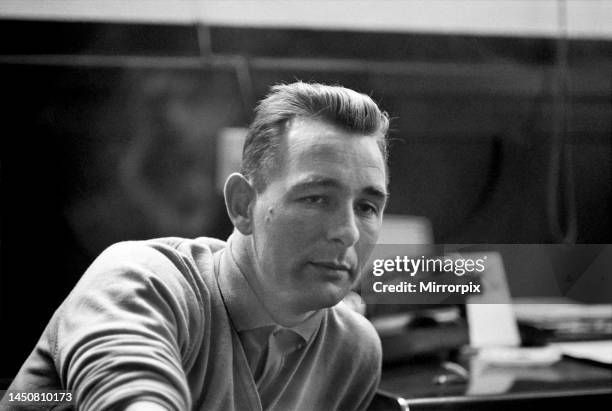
(315, 224)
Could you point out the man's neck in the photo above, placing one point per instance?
(281, 312)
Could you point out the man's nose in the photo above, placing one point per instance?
(343, 227)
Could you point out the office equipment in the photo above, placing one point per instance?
(544, 320)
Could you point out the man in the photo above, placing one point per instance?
(177, 324)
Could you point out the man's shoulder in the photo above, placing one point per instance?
(158, 250)
(176, 262)
(346, 324)
(168, 244)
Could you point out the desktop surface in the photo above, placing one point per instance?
(568, 382)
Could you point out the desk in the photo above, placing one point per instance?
(567, 383)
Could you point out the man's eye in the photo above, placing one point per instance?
(313, 199)
(367, 209)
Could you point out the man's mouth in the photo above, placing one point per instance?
(333, 266)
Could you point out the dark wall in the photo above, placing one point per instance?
(111, 134)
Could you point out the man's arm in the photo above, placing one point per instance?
(364, 354)
(370, 391)
(124, 329)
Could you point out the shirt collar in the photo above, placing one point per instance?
(244, 307)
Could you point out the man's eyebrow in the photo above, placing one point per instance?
(382, 195)
(314, 182)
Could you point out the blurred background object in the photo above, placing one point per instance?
(501, 128)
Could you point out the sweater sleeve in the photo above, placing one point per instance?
(372, 386)
(371, 372)
(363, 352)
(123, 331)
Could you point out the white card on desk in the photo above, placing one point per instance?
(490, 314)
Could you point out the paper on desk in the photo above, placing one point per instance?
(519, 356)
(490, 378)
(487, 380)
(490, 314)
(599, 351)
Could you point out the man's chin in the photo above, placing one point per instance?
(328, 295)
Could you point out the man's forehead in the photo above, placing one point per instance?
(320, 153)
(326, 142)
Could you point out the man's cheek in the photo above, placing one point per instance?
(298, 227)
(368, 236)
(364, 251)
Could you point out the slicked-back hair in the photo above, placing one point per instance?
(351, 111)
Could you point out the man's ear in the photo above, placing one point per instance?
(239, 197)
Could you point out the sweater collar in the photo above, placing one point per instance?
(245, 309)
